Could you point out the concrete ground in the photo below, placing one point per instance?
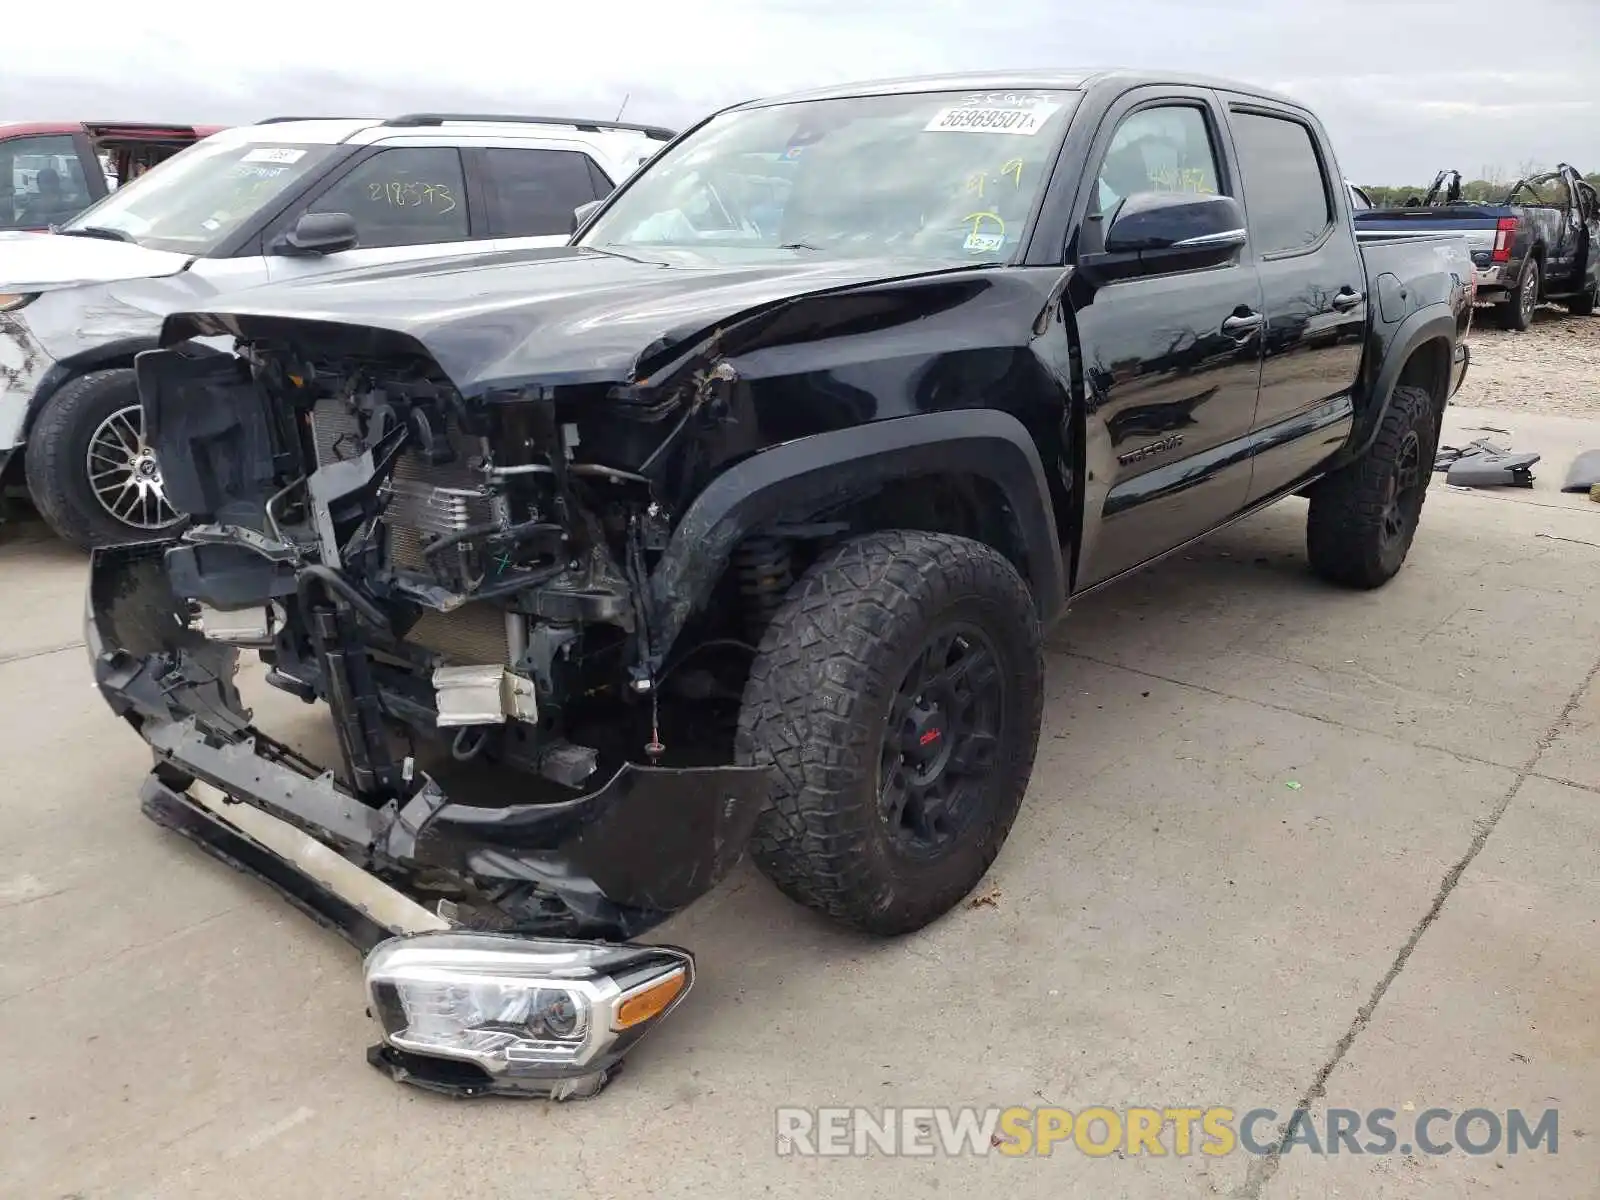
(1284, 845)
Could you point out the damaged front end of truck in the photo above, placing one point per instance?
(471, 593)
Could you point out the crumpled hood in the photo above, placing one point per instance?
(562, 315)
(42, 262)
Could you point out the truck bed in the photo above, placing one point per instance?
(1405, 267)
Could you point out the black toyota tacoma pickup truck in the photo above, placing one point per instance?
(736, 524)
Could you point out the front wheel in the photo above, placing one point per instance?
(896, 700)
(1364, 516)
(91, 473)
(1517, 311)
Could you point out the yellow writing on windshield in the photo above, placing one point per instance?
(977, 183)
(980, 219)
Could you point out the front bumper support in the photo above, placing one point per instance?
(359, 913)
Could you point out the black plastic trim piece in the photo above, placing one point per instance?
(811, 473)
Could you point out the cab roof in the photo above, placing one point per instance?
(1064, 79)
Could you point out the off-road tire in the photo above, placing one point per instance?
(55, 460)
(1584, 305)
(1346, 538)
(816, 711)
(1516, 313)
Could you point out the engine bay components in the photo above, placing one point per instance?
(483, 695)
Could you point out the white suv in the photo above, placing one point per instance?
(256, 204)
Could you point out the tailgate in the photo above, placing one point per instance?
(1478, 229)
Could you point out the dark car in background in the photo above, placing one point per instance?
(1539, 244)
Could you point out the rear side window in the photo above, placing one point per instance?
(532, 192)
(1285, 190)
(407, 196)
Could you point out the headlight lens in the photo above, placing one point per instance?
(11, 300)
(535, 1016)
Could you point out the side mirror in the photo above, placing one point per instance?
(1170, 220)
(583, 212)
(319, 233)
(1169, 231)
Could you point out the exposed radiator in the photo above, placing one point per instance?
(424, 500)
(472, 635)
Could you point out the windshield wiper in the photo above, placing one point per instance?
(799, 246)
(97, 231)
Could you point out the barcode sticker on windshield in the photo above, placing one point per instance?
(1025, 121)
(274, 154)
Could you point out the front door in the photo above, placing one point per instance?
(409, 202)
(1171, 361)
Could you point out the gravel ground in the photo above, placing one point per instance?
(1552, 369)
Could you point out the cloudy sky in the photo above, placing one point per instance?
(1405, 86)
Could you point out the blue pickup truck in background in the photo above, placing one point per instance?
(1542, 243)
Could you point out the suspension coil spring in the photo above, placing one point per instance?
(765, 570)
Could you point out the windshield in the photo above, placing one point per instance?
(946, 175)
(200, 196)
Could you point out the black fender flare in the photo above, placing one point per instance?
(810, 473)
(1425, 325)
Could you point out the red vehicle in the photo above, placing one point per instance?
(52, 171)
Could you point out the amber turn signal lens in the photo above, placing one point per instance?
(651, 1000)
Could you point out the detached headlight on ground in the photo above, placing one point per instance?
(489, 1013)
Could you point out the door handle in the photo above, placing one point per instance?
(1243, 325)
(1346, 300)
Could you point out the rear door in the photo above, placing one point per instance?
(1171, 361)
(530, 191)
(1313, 283)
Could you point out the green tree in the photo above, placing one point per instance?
(1490, 188)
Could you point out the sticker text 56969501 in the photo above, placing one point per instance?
(986, 119)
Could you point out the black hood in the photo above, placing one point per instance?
(559, 316)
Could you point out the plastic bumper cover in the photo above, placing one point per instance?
(621, 859)
(23, 364)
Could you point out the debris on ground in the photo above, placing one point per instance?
(1584, 473)
(989, 899)
(1483, 463)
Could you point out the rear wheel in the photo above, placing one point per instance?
(1517, 311)
(91, 473)
(896, 700)
(1364, 516)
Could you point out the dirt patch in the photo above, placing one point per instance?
(1553, 369)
